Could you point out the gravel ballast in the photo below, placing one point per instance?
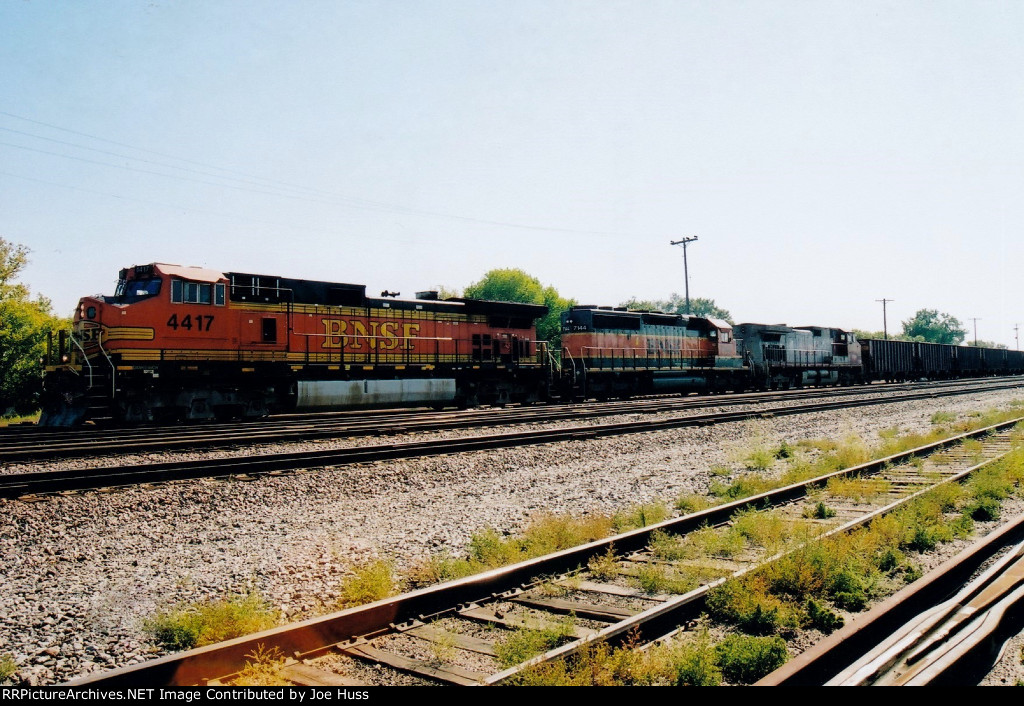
(82, 572)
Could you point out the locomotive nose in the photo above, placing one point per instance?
(88, 310)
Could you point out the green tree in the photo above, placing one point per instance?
(676, 304)
(444, 292)
(24, 325)
(931, 326)
(879, 335)
(988, 344)
(514, 285)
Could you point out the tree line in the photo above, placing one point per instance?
(26, 323)
(931, 326)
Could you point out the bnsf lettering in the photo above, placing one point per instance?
(355, 336)
(201, 322)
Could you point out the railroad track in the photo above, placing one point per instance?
(921, 636)
(43, 482)
(33, 443)
(453, 633)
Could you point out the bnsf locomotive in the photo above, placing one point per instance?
(613, 352)
(191, 343)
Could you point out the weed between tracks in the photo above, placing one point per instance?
(262, 668)
(491, 549)
(526, 642)
(693, 661)
(811, 458)
(808, 589)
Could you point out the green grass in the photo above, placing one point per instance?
(19, 419)
(743, 487)
(819, 511)
(765, 529)
(548, 533)
(849, 570)
(785, 451)
(760, 459)
(640, 516)
(744, 659)
(489, 549)
(194, 625)
(262, 668)
(694, 663)
(654, 579)
(690, 660)
(528, 642)
(7, 667)
(808, 587)
(368, 582)
(857, 488)
(604, 567)
(692, 502)
(713, 542)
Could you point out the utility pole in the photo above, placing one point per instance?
(686, 269)
(1016, 335)
(976, 320)
(885, 324)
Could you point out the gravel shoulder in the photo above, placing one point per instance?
(82, 572)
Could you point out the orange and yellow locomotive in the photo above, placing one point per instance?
(192, 343)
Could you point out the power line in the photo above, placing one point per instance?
(126, 156)
(352, 202)
(177, 207)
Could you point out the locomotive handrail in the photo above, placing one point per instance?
(785, 357)
(88, 363)
(686, 358)
(113, 370)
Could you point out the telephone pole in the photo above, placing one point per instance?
(976, 320)
(686, 269)
(1016, 335)
(885, 324)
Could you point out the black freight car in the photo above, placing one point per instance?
(898, 361)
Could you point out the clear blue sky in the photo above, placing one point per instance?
(827, 154)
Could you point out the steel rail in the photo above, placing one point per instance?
(34, 483)
(923, 636)
(347, 628)
(661, 622)
(36, 444)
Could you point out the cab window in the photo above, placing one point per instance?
(133, 290)
(184, 292)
